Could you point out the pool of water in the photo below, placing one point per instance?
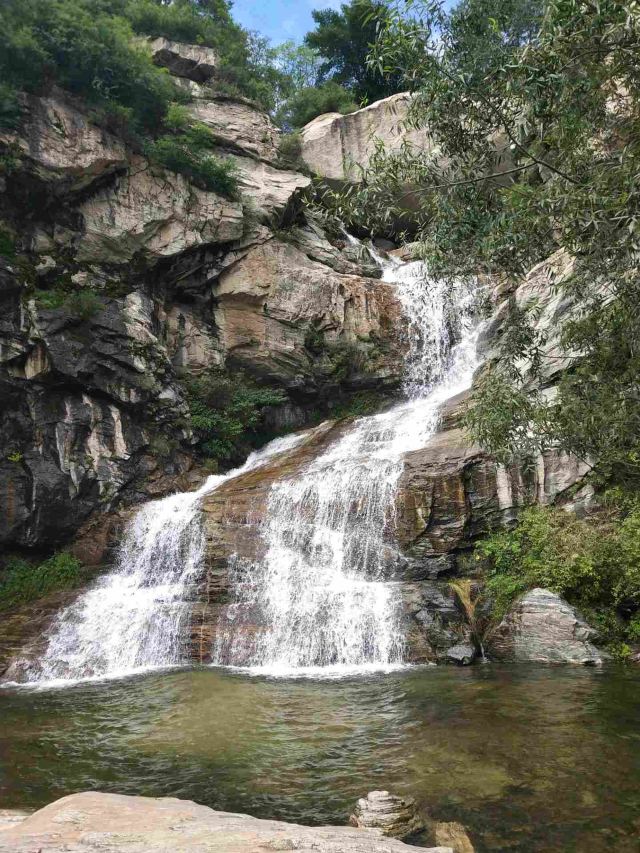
(529, 759)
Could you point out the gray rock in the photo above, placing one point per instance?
(395, 817)
(192, 61)
(544, 628)
(60, 145)
(334, 144)
(115, 823)
(239, 124)
(463, 654)
(156, 213)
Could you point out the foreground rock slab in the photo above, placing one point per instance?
(395, 817)
(542, 627)
(114, 823)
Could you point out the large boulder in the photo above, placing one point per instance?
(453, 835)
(193, 61)
(237, 123)
(268, 191)
(84, 389)
(121, 824)
(334, 145)
(155, 213)
(543, 628)
(60, 145)
(451, 493)
(288, 318)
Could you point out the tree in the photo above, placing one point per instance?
(343, 41)
(312, 101)
(560, 88)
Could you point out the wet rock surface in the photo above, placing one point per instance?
(543, 628)
(462, 654)
(121, 824)
(453, 835)
(395, 817)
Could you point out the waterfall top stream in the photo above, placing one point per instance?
(319, 601)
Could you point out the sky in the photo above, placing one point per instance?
(280, 20)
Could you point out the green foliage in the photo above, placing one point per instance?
(80, 304)
(16, 457)
(359, 405)
(50, 300)
(83, 304)
(343, 40)
(186, 153)
(22, 582)
(87, 48)
(593, 563)
(7, 245)
(290, 150)
(246, 63)
(551, 96)
(10, 110)
(299, 64)
(306, 104)
(346, 359)
(226, 412)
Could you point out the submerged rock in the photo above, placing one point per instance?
(544, 628)
(453, 835)
(395, 817)
(120, 824)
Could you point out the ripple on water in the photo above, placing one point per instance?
(534, 760)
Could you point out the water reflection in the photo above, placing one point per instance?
(530, 759)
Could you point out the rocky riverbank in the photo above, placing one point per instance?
(121, 824)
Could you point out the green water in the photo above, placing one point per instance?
(529, 759)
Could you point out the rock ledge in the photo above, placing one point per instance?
(115, 823)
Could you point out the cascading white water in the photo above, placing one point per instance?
(134, 617)
(319, 597)
(319, 594)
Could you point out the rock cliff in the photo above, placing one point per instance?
(122, 278)
(119, 277)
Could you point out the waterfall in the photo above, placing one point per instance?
(134, 618)
(320, 594)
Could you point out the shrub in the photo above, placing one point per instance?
(594, 564)
(22, 582)
(83, 304)
(88, 50)
(290, 150)
(7, 245)
(186, 153)
(312, 101)
(226, 412)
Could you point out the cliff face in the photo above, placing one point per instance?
(125, 277)
(119, 276)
